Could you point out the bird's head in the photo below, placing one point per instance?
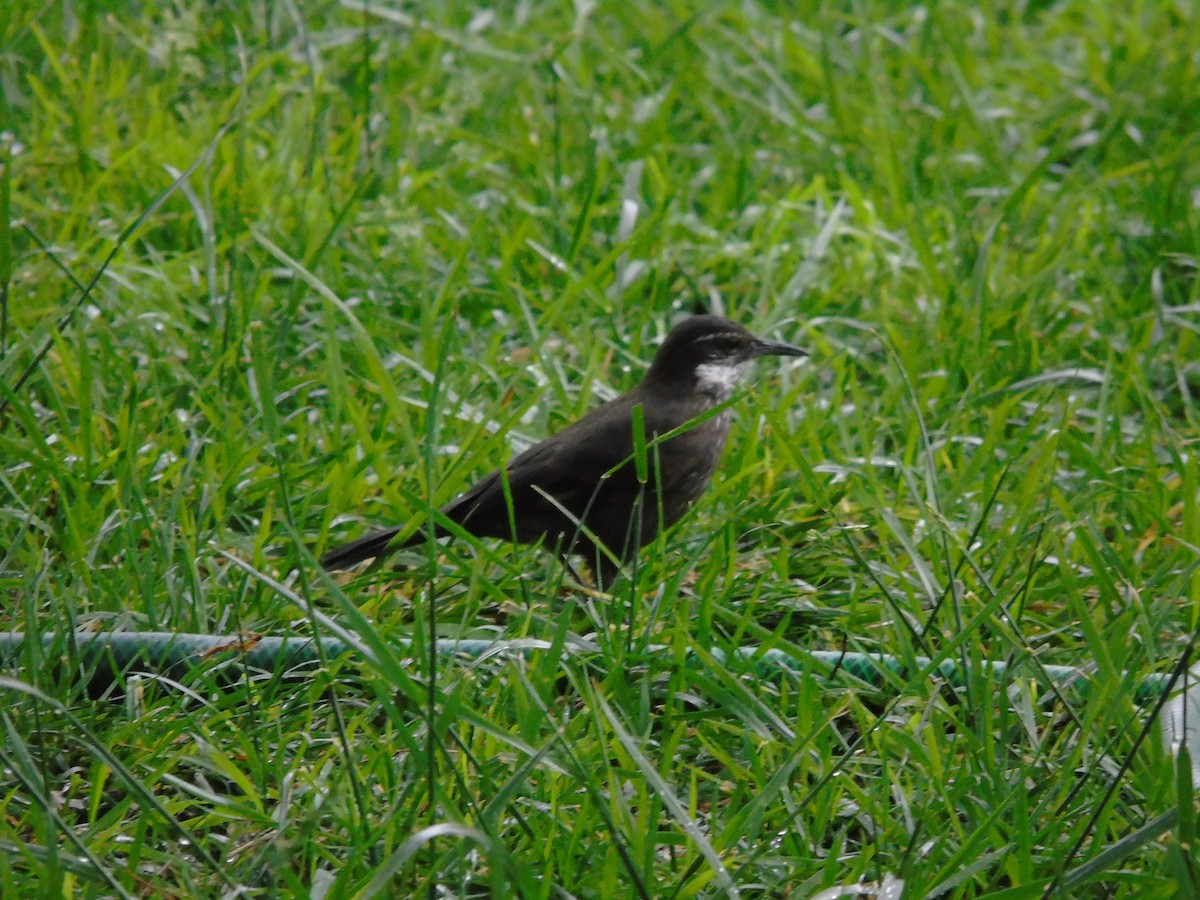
(709, 354)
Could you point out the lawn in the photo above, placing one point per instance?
(273, 274)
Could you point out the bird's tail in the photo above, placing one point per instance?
(366, 547)
(373, 544)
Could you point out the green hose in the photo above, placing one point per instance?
(107, 654)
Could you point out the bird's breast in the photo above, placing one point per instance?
(687, 462)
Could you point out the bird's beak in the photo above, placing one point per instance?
(777, 348)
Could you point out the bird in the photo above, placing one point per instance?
(583, 490)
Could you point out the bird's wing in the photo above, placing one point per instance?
(565, 466)
(575, 457)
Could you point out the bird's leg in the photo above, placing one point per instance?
(604, 571)
(566, 561)
(607, 572)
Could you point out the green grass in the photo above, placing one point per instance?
(408, 242)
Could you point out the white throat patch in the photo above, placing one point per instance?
(719, 379)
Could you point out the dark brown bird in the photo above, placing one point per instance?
(579, 488)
